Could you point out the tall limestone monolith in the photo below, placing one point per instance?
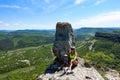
(64, 39)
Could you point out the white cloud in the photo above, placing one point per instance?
(13, 7)
(3, 25)
(79, 2)
(10, 6)
(21, 26)
(99, 2)
(109, 19)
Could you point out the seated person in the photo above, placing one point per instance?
(73, 58)
(65, 62)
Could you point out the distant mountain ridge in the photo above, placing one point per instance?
(6, 31)
(112, 36)
(26, 38)
(83, 29)
(93, 30)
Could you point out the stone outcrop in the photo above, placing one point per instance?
(111, 36)
(64, 39)
(112, 75)
(79, 73)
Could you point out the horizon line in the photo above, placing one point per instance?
(52, 29)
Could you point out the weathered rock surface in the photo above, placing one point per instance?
(80, 73)
(64, 39)
(112, 75)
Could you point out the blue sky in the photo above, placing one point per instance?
(44, 14)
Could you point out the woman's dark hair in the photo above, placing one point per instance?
(73, 48)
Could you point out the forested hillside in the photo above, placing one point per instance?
(25, 63)
(32, 61)
(101, 52)
(102, 49)
(25, 38)
(10, 40)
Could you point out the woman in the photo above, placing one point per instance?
(73, 59)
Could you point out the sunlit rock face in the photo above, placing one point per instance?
(64, 39)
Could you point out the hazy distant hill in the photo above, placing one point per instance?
(86, 33)
(4, 31)
(93, 30)
(27, 38)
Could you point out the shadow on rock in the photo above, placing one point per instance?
(56, 66)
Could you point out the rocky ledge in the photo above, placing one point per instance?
(83, 71)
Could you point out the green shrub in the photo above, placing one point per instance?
(99, 58)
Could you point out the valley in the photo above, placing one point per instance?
(28, 62)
